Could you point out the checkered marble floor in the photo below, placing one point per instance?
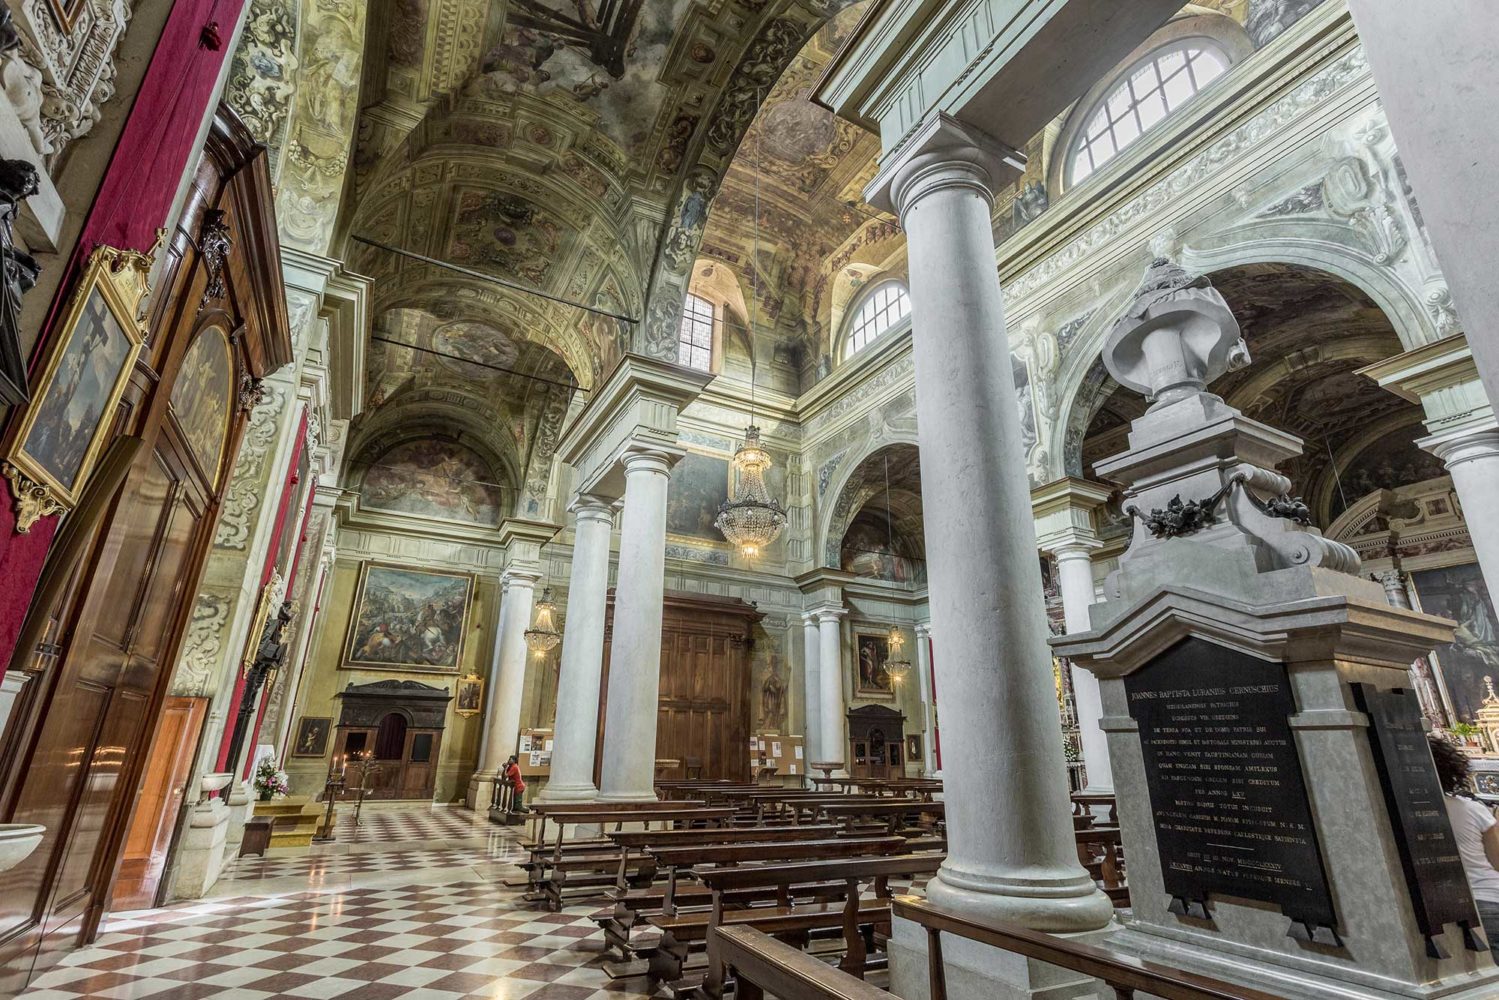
(407, 925)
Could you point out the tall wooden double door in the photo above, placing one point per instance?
(703, 712)
(101, 644)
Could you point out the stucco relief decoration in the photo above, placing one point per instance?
(262, 76)
(247, 484)
(73, 66)
(507, 233)
(203, 648)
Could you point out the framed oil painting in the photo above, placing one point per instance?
(913, 748)
(1458, 592)
(699, 484)
(203, 398)
(408, 619)
(60, 435)
(470, 698)
(312, 737)
(871, 653)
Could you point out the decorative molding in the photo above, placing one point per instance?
(33, 500)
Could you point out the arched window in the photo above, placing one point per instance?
(1146, 93)
(695, 338)
(882, 308)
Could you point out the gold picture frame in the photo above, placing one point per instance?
(60, 435)
(470, 697)
(408, 620)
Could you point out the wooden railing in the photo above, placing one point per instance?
(1123, 973)
(764, 965)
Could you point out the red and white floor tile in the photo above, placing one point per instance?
(428, 925)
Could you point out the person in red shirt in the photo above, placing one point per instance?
(516, 782)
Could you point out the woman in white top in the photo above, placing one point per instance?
(1477, 835)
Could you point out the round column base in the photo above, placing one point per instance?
(567, 793)
(1063, 905)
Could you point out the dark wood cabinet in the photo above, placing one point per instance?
(703, 713)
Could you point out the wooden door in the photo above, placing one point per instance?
(158, 803)
(107, 689)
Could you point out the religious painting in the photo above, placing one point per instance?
(312, 737)
(1458, 592)
(913, 748)
(773, 697)
(470, 698)
(869, 550)
(871, 677)
(699, 484)
(202, 398)
(1022, 374)
(61, 434)
(433, 478)
(1388, 463)
(408, 619)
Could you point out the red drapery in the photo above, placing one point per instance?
(140, 183)
(287, 487)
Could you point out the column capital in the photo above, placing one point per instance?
(1467, 444)
(523, 540)
(589, 507)
(1065, 512)
(648, 458)
(828, 613)
(520, 576)
(942, 152)
(923, 630)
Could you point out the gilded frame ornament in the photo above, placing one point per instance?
(46, 460)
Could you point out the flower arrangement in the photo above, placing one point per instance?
(270, 780)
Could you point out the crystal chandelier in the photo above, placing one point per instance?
(544, 636)
(753, 519)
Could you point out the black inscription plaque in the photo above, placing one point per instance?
(1413, 797)
(1226, 787)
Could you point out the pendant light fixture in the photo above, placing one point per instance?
(543, 635)
(897, 666)
(752, 519)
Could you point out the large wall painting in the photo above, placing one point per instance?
(407, 619)
(699, 483)
(1458, 592)
(434, 479)
(871, 676)
(870, 551)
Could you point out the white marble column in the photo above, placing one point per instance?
(629, 771)
(1075, 576)
(1473, 460)
(812, 685)
(507, 678)
(929, 767)
(832, 743)
(1011, 854)
(573, 743)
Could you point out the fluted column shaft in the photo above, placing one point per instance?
(1075, 575)
(812, 685)
(508, 677)
(833, 715)
(635, 652)
(1011, 854)
(576, 736)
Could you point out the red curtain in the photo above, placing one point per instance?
(156, 147)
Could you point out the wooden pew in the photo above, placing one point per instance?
(857, 918)
(761, 965)
(560, 867)
(618, 921)
(891, 811)
(1123, 975)
(1101, 851)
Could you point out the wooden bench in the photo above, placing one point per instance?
(762, 965)
(890, 810)
(1123, 974)
(857, 918)
(1101, 851)
(559, 867)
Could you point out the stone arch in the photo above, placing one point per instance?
(853, 488)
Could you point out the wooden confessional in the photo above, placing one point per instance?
(877, 742)
(400, 724)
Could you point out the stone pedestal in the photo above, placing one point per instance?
(576, 735)
(1261, 849)
(200, 851)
